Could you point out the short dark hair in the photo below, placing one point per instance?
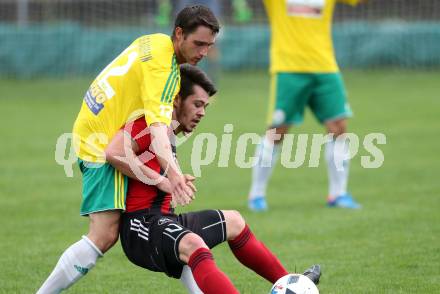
(191, 75)
(191, 17)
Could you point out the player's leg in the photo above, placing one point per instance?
(330, 106)
(104, 229)
(135, 232)
(210, 227)
(266, 154)
(104, 191)
(217, 226)
(210, 279)
(189, 282)
(175, 245)
(288, 96)
(160, 243)
(74, 263)
(137, 246)
(338, 166)
(250, 251)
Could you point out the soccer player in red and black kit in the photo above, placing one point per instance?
(155, 238)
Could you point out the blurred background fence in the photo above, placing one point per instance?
(79, 37)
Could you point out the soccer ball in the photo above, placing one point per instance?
(294, 284)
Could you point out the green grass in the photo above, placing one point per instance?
(390, 246)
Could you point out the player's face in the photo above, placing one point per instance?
(191, 110)
(194, 46)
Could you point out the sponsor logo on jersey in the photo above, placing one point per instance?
(305, 8)
(93, 103)
(163, 220)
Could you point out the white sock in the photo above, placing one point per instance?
(188, 281)
(266, 154)
(336, 154)
(73, 264)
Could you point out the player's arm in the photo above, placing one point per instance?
(161, 82)
(121, 154)
(161, 145)
(189, 179)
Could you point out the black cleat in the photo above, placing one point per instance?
(313, 273)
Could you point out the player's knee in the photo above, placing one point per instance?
(337, 127)
(278, 136)
(339, 131)
(235, 223)
(190, 243)
(104, 229)
(112, 237)
(104, 239)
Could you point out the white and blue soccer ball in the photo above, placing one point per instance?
(294, 284)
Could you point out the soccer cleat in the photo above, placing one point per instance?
(343, 201)
(257, 204)
(313, 273)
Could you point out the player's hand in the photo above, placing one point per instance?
(190, 182)
(181, 192)
(189, 177)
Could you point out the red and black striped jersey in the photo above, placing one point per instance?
(140, 195)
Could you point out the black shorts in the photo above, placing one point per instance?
(151, 241)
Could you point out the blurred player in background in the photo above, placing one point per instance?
(142, 81)
(155, 238)
(304, 73)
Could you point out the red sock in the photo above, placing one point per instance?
(208, 276)
(253, 254)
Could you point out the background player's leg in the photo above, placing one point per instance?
(81, 257)
(266, 156)
(289, 93)
(338, 159)
(329, 104)
(251, 252)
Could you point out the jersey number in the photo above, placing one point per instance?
(171, 230)
(115, 71)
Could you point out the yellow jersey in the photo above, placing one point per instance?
(142, 80)
(301, 38)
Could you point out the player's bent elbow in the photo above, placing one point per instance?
(115, 149)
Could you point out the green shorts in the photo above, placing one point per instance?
(290, 93)
(104, 188)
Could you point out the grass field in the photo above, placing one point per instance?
(392, 245)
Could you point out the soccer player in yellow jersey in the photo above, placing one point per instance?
(142, 81)
(304, 73)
